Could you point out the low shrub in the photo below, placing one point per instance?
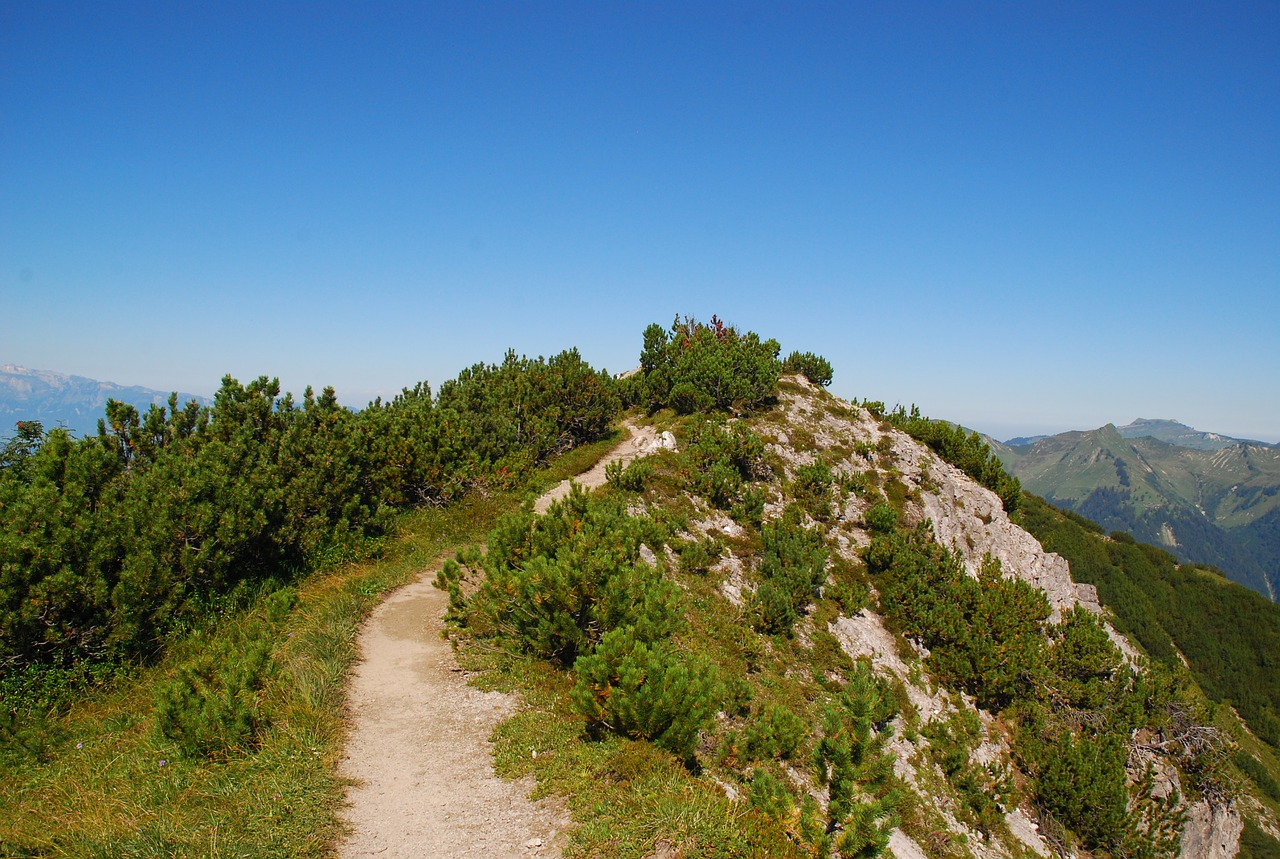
(768, 794)
(719, 461)
(776, 732)
(697, 556)
(630, 477)
(792, 570)
(213, 704)
(646, 690)
(553, 585)
(813, 490)
(881, 518)
(813, 367)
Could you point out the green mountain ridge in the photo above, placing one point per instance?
(804, 628)
(1206, 498)
(1182, 435)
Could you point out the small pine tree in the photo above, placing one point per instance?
(852, 761)
(646, 691)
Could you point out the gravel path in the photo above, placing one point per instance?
(419, 744)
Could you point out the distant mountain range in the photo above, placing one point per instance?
(74, 402)
(1172, 432)
(1206, 497)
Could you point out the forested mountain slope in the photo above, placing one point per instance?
(1206, 498)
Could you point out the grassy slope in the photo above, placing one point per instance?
(627, 797)
(98, 781)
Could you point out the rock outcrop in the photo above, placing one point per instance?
(971, 520)
(1211, 832)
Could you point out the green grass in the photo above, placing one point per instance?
(97, 779)
(625, 795)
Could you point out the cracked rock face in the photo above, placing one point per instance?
(970, 518)
(1212, 832)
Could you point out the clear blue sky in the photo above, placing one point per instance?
(1026, 217)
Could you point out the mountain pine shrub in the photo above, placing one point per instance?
(813, 367)
(813, 490)
(770, 795)
(881, 518)
(697, 556)
(698, 367)
(213, 703)
(644, 689)
(854, 764)
(554, 584)
(629, 477)
(719, 461)
(777, 732)
(792, 569)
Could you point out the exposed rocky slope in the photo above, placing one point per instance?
(807, 425)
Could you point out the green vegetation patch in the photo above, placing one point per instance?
(173, 760)
(699, 367)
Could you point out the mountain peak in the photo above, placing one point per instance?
(1178, 434)
(59, 399)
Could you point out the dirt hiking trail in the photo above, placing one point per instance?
(419, 748)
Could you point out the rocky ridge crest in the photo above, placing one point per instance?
(969, 519)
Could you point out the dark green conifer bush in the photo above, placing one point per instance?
(696, 556)
(812, 490)
(853, 763)
(553, 585)
(1082, 781)
(769, 794)
(718, 462)
(984, 636)
(641, 688)
(1084, 663)
(698, 367)
(813, 367)
(629, 477)
(213, 703)
(110, 543)
(792, 569)
(881, 518)
(775, 732)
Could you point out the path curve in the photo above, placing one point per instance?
(418, 749)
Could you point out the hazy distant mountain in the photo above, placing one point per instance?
(1024, 440)
(1206, 497)
(1182, 435)
(57, 399)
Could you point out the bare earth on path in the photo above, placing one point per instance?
(419, 742)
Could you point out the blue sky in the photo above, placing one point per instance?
(1024, 217)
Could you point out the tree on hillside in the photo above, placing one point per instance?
(697, 366)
